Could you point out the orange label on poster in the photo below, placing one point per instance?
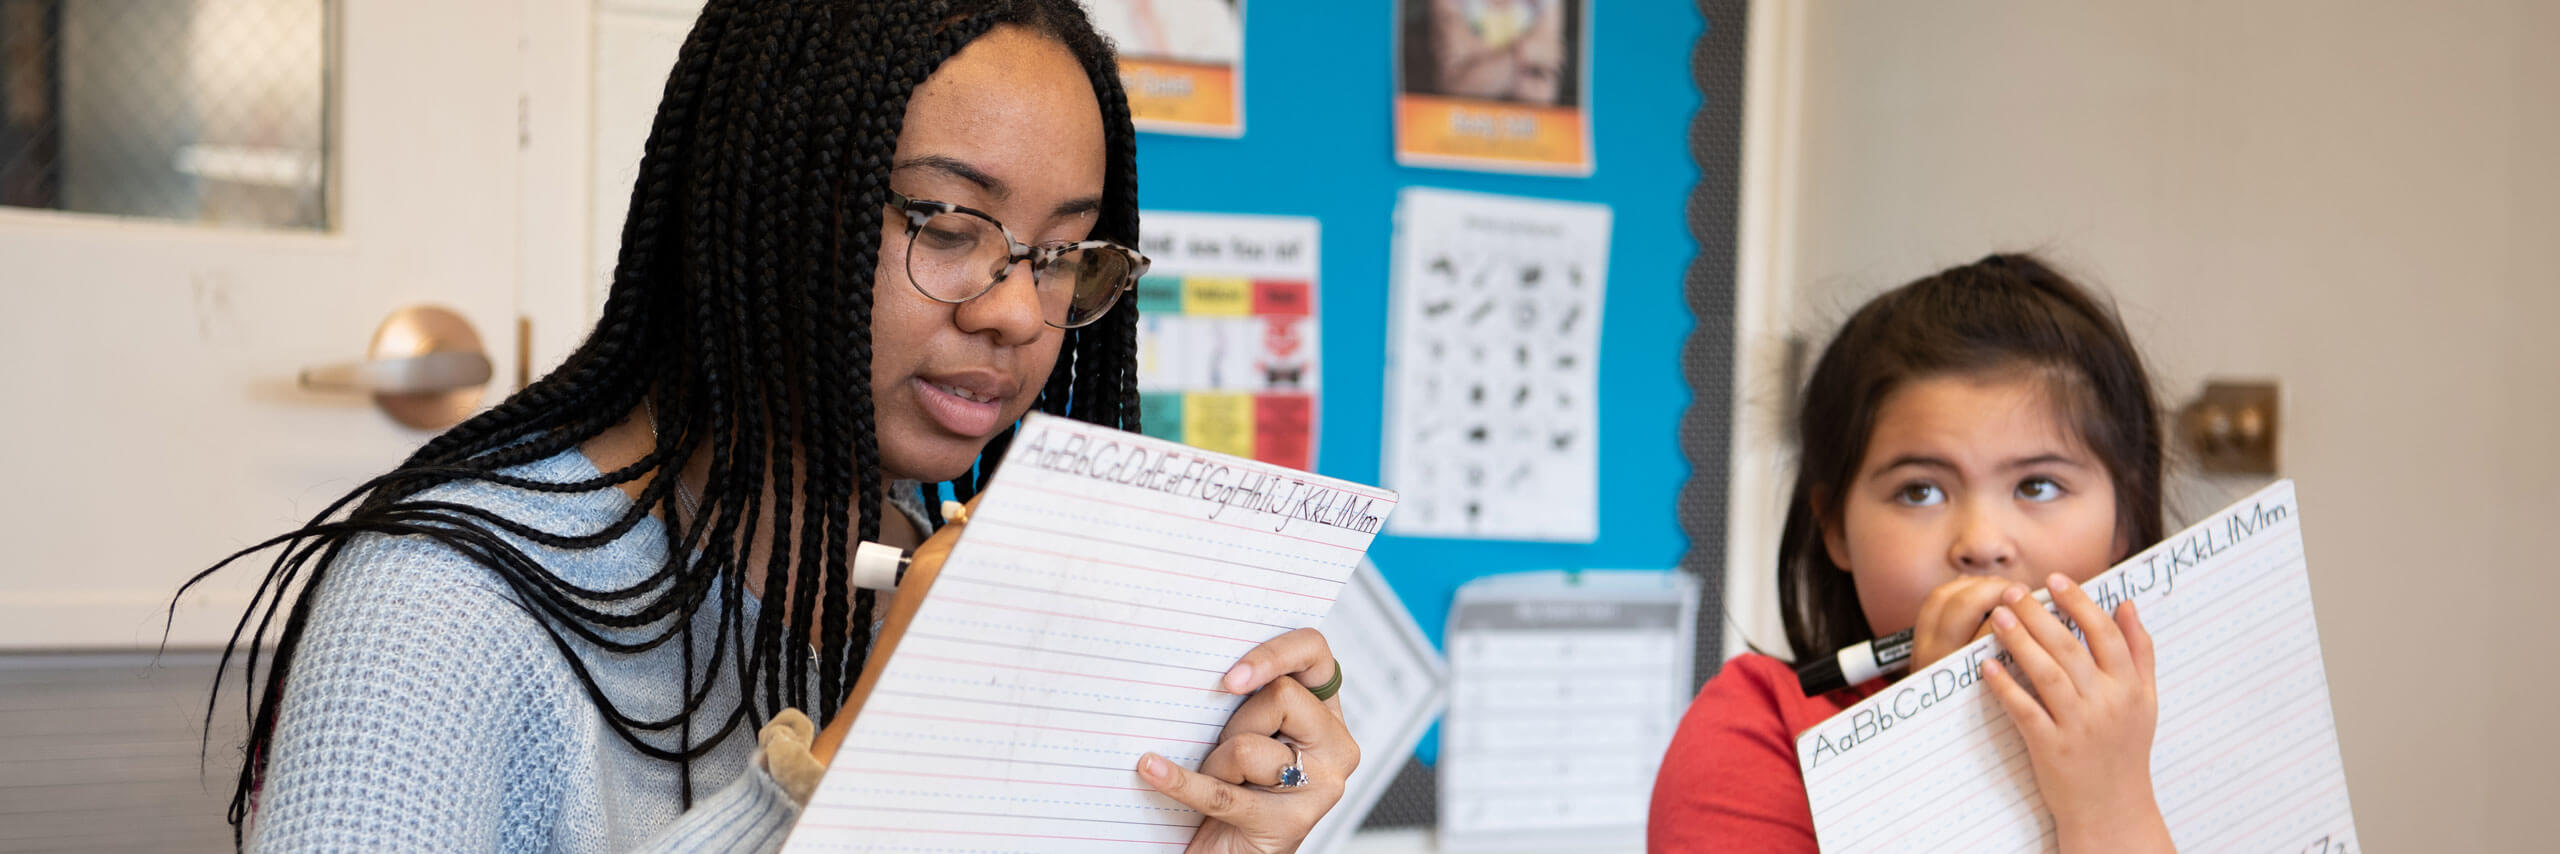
(1193, 95)
(1533, 138)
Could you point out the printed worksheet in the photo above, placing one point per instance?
(1492, 412)
(1564, 691)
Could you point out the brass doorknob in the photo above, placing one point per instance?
(2232, 427)
(425, 368)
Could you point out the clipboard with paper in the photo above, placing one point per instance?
(1103, 586)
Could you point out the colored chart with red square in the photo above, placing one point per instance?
(1283, 298)
(1283, 429)
(1230, 353)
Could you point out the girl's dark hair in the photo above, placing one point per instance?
(741, 310)
(2002, 313)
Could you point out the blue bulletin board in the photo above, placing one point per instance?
(1319, 142)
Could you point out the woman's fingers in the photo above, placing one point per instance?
(1255, 759)
(1301, 653)
(1211, 796)
(1286, 710)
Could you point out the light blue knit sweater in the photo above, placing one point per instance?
(427, 710)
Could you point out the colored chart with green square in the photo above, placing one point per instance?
(1160, 414)
(1160, 294)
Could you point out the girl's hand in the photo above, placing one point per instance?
(1235, 784)
(2090, 738)
(1953, 615)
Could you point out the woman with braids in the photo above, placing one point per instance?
(867, 237)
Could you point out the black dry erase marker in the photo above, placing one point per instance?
(879, 566)
(1866, 660)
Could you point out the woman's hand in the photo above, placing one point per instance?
(2090, 738)
(1234, 786)
(1954, 615)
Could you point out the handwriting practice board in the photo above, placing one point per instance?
(1101, 590)
(2245, 757)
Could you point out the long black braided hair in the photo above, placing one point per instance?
(740, 311)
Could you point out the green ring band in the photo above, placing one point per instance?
(1331, 686)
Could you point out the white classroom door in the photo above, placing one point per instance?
(154, 422)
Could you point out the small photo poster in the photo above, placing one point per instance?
(1181, 61)
(1227, 334)
(1493, 372)
(1494, 85)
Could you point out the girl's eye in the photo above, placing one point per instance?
(2039, 489)
(1918, 494)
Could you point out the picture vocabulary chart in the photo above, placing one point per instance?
(1564, 691)
(1492, 408)
(2245, 757)
(1102, 588)
(1227, 344)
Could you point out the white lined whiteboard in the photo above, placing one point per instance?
(1103, 586)
(2245, 756)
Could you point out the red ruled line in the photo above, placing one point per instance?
(1089, 535)
(1100, 620)
(946, 719)
(880, 829)
(1043, 591)
(1089, 559)
(896, 772)
(1065, 673)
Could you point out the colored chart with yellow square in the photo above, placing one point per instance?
(1217, 296)
(1219, 422)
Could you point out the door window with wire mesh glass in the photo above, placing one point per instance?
(197, 111)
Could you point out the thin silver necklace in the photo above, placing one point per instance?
(684, 497)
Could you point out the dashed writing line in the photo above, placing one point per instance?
(952, 720)
(1080, 636)
(949, 660)
(1226, 710)
(999, 605)
(1028, 648)
(1110, 601)
(879, 829)
(1160, 570)
(877, 692)
(1102, 524)
(986, 797)
(1025, 570)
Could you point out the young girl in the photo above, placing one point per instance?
(1968, 438)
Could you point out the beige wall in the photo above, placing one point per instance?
(2357, 200)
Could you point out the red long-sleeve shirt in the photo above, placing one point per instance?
(1730, 782)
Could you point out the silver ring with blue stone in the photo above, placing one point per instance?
(1294, 774)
